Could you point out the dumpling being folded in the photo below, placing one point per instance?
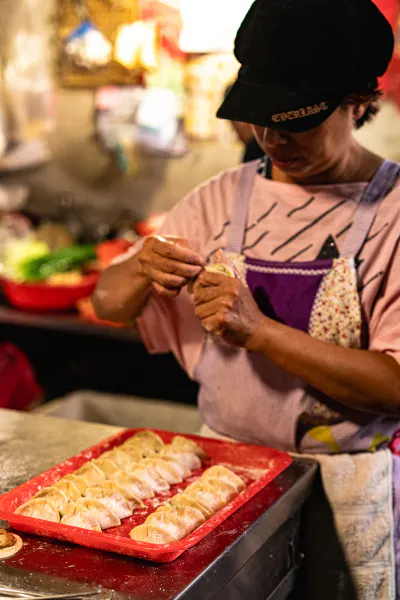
(39, 508)
(81, 517)
(114, 497)
(182, 444)
(206, 495)
(132, 485)
(149, 475)
(166, 470)
(105, 517)
(151, 535)
(69, 489)
(57, 497)
(224, 474)
(91, 473)
(106, 466)
(183, 500)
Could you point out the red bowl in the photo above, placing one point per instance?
(40, 297)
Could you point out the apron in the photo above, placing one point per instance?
(245, 396)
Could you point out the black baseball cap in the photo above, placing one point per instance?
(301, 58)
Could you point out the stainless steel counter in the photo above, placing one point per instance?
(251, 555)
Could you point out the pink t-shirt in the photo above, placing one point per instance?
(287, 223)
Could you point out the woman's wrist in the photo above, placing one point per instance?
(258, 340)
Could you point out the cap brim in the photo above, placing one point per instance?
(278, 107)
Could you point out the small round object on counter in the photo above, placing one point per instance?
(10, 544)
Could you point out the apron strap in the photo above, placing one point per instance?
(380, 186)
(240, 208)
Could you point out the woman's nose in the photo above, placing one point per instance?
(274, 137)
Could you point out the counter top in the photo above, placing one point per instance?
(30, 444)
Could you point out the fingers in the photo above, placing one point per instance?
(175, 251)
(207, 279)
(166, 280)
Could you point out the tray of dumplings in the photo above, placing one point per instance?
(149, 494)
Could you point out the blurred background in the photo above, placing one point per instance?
(107, 119)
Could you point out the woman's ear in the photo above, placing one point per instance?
(359, 111)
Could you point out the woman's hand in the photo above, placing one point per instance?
(227, 308)
(168, 263)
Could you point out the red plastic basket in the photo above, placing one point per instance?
(257, 465)
(40, 297)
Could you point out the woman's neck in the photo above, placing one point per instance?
(359, 165)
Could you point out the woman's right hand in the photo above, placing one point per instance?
(169, 264)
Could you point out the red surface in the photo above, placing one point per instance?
(246, 460)
(42, 298)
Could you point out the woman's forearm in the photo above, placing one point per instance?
(122, 292)
(359, 379)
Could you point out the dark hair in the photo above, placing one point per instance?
(370, 96)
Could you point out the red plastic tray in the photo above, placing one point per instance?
(257, 465)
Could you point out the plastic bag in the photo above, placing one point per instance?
(87, 47)
(28, 91)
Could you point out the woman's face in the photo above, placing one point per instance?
(301, 156)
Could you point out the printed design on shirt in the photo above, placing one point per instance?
(295, 210)
(308, 227)
(329, 249)
(374, 235)
(362, 287)
(258, 240)
(299, 253)
(221, 233)
(343, 231)
(336, 314)
(264, 216)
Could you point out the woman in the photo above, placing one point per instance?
(301, 349)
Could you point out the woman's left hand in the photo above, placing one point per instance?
(227, 308)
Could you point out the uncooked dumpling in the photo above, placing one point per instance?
(82, 518)
(151, 535)
(150, 438)
(57, 497)
(119, 457)
(150, 476)
(166, 470)
(114, 497)
(132, 485)
(79, 481)
(190, 517)
(187, 459)
(39, 508)
(205, 494)
(69, 489)
(103, 515)
(134, 453)
(167, 521)
(106, 466)
(91, 472)
(183, 444)
(183, 500)
(181, 467)
(224, 488)
(221, 472)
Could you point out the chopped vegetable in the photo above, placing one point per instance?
(62, 261)
(17, 252)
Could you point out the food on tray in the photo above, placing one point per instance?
(82, 518)
(102, 513)
(185, 512)
(152, 535)
(132, 485)
(166, 470)
(39, 508)
(112, 486)
(91, 472)
(223, 474)
(69, 488)
(57, 497)
(10, 544)
(115, 498)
